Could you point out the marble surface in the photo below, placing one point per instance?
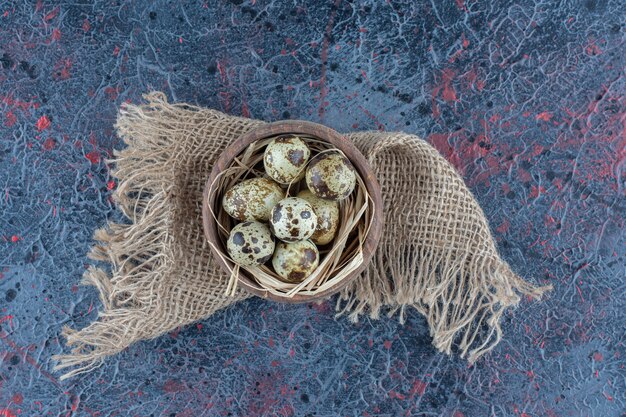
(526, 99)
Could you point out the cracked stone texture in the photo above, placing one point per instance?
(526, 99)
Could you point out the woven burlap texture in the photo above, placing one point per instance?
(436, 255)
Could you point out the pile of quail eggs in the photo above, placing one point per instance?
(288, 229)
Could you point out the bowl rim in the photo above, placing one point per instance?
(294, 127)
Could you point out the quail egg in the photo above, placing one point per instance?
(295, 261)
(327, 212)
(250, 243)
(285, 159)
(252, 199)
(293, 219)
(331, 176)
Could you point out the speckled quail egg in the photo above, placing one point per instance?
(285, 159)
(293, 219)
(331, 176)
(250, 243)
(252, 199)
(295, 261)
(327, 212)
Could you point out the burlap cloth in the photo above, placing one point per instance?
(436, 255)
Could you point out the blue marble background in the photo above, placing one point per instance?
(526, 99)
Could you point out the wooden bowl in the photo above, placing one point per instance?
(212, 198)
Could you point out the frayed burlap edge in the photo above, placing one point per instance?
(461, 286)
(457, 314)
(146, 291)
